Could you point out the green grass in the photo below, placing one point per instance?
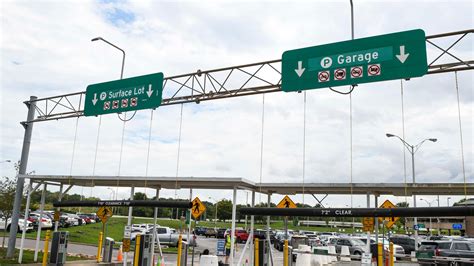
(28, 256)
(89, 234)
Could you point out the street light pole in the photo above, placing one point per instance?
(429, 204)
(448, 200)
(115, 46)
(412, 149)
(215, 214)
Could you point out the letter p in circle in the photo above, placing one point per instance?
(326, 62)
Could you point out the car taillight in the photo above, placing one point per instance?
(43, 220)
(437, 253)
(31, 219)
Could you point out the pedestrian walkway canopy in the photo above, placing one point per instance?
(157, 182)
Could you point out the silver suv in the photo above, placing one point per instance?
(356, 246)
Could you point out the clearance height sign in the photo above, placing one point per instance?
(399, 55)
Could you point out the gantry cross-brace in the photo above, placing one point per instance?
(243, 80)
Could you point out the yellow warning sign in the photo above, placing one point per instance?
(104, 213)
(286, 202)
(56, 216)
(198, 208)
(126, 244)
(368, 224)
(389, 221)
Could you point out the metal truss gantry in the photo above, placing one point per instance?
(242, 80)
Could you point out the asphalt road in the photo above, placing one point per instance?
(170, 259)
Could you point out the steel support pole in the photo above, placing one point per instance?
(27, 212)
(376, 202)
(439, 228)
(129, 222)
(153, 238)
(368, 233)
(189, 225)
(415, 222)
(232, 232)
(21, 181)
(252, 222)
(269, 196)
(38, 235)
(58, 209)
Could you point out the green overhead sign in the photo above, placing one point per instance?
(131, 94)
(398, 55)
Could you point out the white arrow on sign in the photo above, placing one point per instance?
(150, 91)
(402, 56)
(299, 71)
(94, 101)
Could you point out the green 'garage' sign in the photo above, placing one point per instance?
(385, 57)
(143, 92)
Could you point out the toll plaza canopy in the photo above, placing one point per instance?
(396, 189)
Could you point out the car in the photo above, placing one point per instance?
(453, 249)
(279, 242)
(46, 221)
(69, 219)
(397, 248)
(200, 230)
(406, 242)
(21, 224)
(295, 241)
(86, 219)
(356, 246)
(241, 235)
(210, 232)
(136, 231)
(221, 232)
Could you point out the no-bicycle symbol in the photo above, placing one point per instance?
(323, 76)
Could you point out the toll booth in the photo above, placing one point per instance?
(108, 249)
(58, 252)
(263, 252)
(143, 250)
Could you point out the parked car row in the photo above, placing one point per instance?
(46, 220)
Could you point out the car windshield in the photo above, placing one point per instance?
(471, 246)
(357, 242)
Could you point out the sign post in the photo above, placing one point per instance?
(400, 55)
(143, 92)
(286, 202)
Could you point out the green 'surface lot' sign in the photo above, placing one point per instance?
(385, 57)
(143, 92)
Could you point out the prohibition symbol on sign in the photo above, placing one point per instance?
(356, 72)
(323, 76)
(373, 70)
(133, 101)
(106, 105)
(124, 103)
(340, 74)
(115, 104)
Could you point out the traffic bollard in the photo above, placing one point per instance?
(46, 248)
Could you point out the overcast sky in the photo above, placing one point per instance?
(46, 51)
